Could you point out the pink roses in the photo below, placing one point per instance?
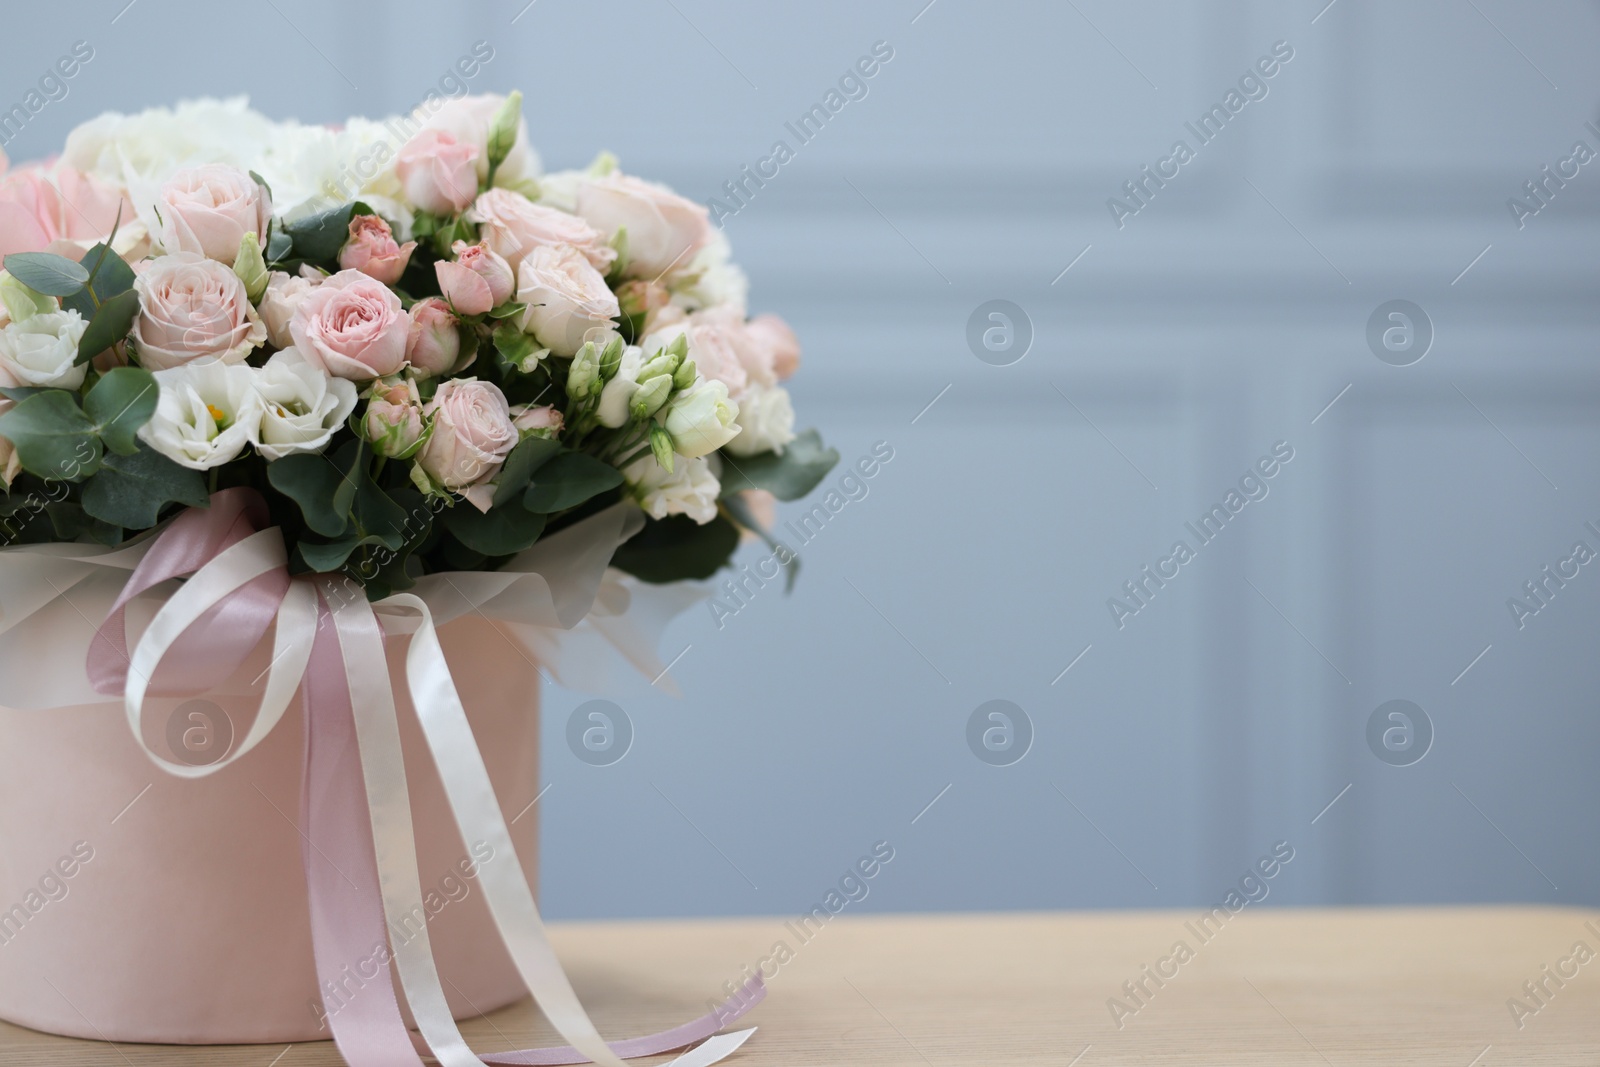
(372, 250)
(352, 326)
(438, 173)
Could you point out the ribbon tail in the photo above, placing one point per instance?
(348, 933)
(477, 813)
(388, 800)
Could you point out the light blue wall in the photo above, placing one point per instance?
(1220, 319)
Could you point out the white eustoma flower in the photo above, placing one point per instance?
(42, 350)
(766, 418)
(712, 279)
(690, 489)
(618, 392)
(207, 414)
(701, 419)
(301, 407)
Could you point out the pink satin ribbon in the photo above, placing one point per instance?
(346, 899)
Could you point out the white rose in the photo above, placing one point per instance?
(691, 489)
(301, 407)
(701, 419)
(665, 231)
(614, 398)
(278, 304)
(207, 414)
(565, 298)
(40, 351)
(767, 421)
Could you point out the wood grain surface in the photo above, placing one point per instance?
(1281, 987)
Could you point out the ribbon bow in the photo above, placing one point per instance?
(329, 645)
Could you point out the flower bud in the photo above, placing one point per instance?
(489, 265)
(372, 250)
(639, 297)
(661, 363)
(434, 344)
(251, 267)
(537, 421)
(661, 447)
(649, 397)
(394, 422)
(679, 346)
(21, 302)
(611, 358)
(685, 375)
(503, 128)
(584, 374)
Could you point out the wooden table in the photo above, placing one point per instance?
(1394, 986)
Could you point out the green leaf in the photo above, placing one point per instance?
(513, 345)
(131, 491)
(72, 523)
(53, 437)
(567, 481)
(46, 272)
(804, 463)
(122, 401)
(319, 237)
(109, 274)
(497, 532)
(509, 310)
(311, 480)
(675, 548)
(110, 324)
(377, 516)
(741, 513)
(279, 244)
(526, 458)
(328, 557)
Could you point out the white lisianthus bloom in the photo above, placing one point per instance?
(565, 298)
(618, 392)
(142, 151)
(207, 414)
(690, 489)
(301, 407)
(712, 279)
(41, 351)
(767, 420)
(702, 419)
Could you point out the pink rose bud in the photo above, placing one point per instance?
(489, 265)
(640, 297)
(372, 250)
(433, 345)
(466, 290)
(394, 421)
(540, 421)
(438, 173)
(772, 331)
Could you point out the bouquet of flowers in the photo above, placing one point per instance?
(392, 354)
(425, 355)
